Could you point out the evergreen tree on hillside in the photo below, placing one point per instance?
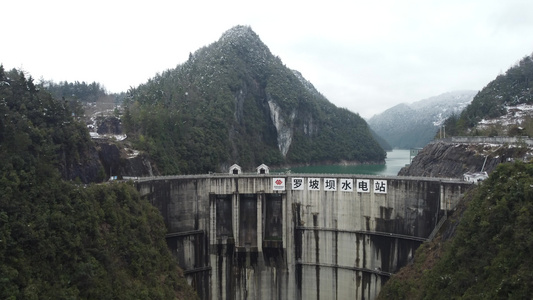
(81, 91)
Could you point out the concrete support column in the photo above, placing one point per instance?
(213, 219)
(236, 218)
(443, 203)
(260, 198)
(285, 219)
(373, 210)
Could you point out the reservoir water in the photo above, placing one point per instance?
(396, 159)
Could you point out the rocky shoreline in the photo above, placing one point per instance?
(452, 160)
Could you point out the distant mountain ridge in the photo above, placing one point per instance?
(413, 125)
(235, 102)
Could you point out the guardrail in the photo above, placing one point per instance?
(487, 140)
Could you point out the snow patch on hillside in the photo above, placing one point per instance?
(92, 127)
(515, 116)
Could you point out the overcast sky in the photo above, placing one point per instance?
(366, 56)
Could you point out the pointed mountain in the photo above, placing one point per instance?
(235, 102)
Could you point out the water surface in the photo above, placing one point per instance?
(396, 159)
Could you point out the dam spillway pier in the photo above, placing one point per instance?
(297, 236)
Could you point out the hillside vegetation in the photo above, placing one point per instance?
(490, 254)
(62, 239)
(234, 102)
(510, 89)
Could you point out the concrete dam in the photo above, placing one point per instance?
(297, 236)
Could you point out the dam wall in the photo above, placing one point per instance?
(252, 236)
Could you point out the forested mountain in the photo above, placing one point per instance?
(62, 239)
(413, 125)
(235, 102)
(509, 97)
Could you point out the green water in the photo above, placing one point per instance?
(396, 159)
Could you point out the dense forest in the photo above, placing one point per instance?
(38, 132)
(61, 239)
(234, 102)
(484, 251)
(81, 91)
(510, 89)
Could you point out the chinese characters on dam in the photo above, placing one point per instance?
(378, 186)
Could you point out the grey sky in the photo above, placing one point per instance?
(366, 56)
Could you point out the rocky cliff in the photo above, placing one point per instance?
(108, 154)
(115, 153)
(447, 159)
(104, 159)
(121, 161)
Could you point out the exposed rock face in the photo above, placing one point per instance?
(110, 157)
(109, 125)
(283, 127)
(441, 159)
(87, 169)
(106, 159)
(137, 166)
(118, 162)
